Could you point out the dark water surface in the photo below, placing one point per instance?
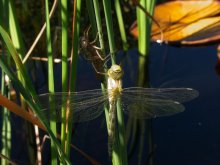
(191, 137)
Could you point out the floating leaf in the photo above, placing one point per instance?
(185, 20)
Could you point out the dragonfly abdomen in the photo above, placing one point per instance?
(112, 123)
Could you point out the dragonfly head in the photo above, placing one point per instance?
(115, 72)
(84, 42)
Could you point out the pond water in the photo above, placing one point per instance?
(191, 137)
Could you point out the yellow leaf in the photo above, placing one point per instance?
(181, 20)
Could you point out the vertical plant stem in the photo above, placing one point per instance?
(6, 125)
(150, 8)
(143, 50)
(49, 50)
(64, 18)
(50, 80)
(144, 30)
(119, 150)
(5, 114)
(91, 14)
(15, 30)
(110, 32)
(121, 134)
(15, 34)
(17, 60)
(6, 135)
(99, 25)
(121, 25)
(143, 45)
(35, 107)
(97, 18)
(73, 65)
(30, 97)
(16, 37)
(102, 45)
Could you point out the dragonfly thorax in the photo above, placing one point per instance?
(114, 88)
(114, 81)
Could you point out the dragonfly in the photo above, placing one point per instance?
(136, 102)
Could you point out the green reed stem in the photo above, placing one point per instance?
(102, 46)
(144, 31)
(50, 80)
(64, 18)
(92, 18)
(97, 18)
(121, 134)
(150, 7)
(99, 24)
(75, 44)
(115, 156)
(10, 23)
(6, 125)
(15, 31)
(17, 60)
(110, 31)
(6, 122)
(121, 25)
(30, 98)
(119, 150)
(35, 107)
(6, 135)
(74, 55)
(49, 50)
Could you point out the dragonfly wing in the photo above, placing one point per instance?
(84, 105)
(90, 113)
(141, 108)
(176, 94)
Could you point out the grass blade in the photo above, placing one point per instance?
(50, 79)
(26, 93)
(64, 18)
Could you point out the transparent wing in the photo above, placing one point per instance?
(176, 94)
(144, 103)
(85, 106)
(146, 108)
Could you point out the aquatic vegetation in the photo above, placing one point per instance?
(68, 107)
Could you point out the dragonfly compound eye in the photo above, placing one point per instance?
(83, 42)
(116, 68)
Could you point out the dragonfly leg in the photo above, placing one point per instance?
(106, 60)
(96, 38)
(86, 32)
(100, 56)
(96, 47)
(97, 70)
